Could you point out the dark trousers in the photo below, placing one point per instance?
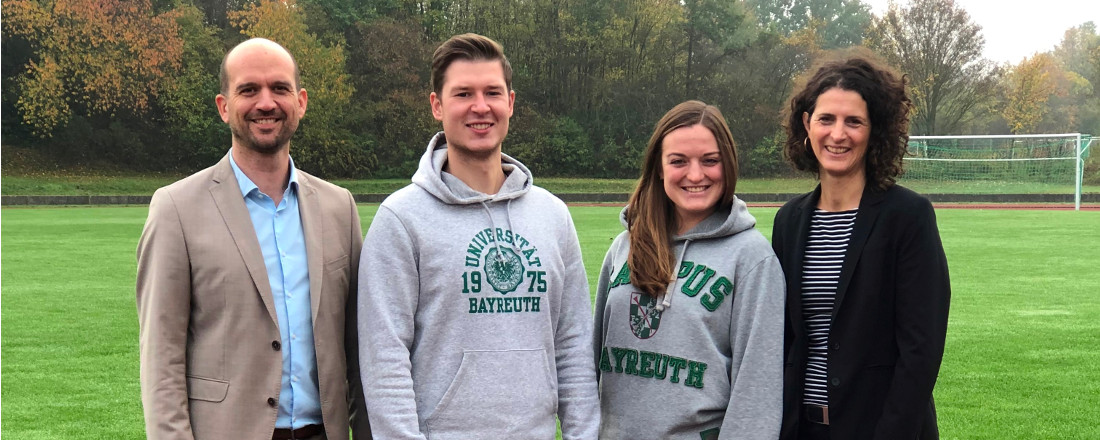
(808, 430)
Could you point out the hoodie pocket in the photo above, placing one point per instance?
(497, 394)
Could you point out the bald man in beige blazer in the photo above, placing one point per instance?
(212, 355)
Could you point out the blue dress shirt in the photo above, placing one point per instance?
(282, 240)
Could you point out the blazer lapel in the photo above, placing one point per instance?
(227, 197)
(865, 222)
(309, 210)
(804, 211)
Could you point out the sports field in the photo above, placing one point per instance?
(1022, 355)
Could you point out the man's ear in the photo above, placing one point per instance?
(303, 99)
(437, 106)
(222, 104)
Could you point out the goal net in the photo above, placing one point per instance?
(998, 164)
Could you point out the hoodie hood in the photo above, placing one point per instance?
(452, 191)
(722, 222)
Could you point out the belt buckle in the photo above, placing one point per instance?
(817, 414)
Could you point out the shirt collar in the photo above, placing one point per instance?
(246, 184)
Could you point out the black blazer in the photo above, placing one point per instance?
(889, 322)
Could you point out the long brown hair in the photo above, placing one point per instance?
(651, 216)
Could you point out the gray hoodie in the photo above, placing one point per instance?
(704, 360)
(474, 315)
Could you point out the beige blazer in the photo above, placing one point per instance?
(210, 351)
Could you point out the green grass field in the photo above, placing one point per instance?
(1021, 358)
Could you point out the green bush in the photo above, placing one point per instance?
(765, 159)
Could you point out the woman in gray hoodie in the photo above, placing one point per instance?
(689, 308)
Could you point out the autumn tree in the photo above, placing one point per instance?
(1030, 85)
(187, 100)
(1079, 53)
(591, 76)
(940, 48)
(1055, 92)
(91, 57)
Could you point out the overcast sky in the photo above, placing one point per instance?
(1017, 29)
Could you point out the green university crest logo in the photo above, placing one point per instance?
(502, 274)
(503, 269)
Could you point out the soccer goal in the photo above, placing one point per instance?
(999, 164)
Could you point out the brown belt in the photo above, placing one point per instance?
(816, 413)
(300, 433)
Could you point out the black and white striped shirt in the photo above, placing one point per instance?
(829, 234)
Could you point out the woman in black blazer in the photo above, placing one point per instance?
(867, 283)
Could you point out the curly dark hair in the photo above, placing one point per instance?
(888, 107)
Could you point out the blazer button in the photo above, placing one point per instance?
(836, 346)
(272, 402)
(835, 381)
(275, 345)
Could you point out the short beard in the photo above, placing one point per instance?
(245, 140)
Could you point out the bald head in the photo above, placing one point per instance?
(254, 44)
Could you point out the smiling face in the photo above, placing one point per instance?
(262, 103)
(691, 169)
(474, 105)
(838, 130)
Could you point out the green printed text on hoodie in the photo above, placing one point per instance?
(709, 364)
(474, 315)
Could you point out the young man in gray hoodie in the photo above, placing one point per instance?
(475, 318)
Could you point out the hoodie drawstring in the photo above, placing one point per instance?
(493, 224)
(508, 217)
(666, 298)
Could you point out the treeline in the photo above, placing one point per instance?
(130, 83)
